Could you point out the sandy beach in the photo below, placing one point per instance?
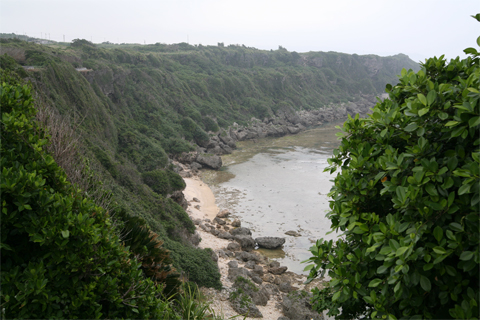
(207, 209)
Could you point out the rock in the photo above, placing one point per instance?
(187, 157)
(197, 207)
(197, 221)
(250, 264)
(246, 242)
(283, 318)
(214, 256)
(210, 160)
(233, 246)
(269, 278)
(293, 233)
(246, 256)
(225, 235)
(256, 278)
(226, 228)
(244, 306)
(234, 273)
(219, 221)
(272, 289)
(270, 242)
(233, 264)
(221, 254)
(274, 264)
(258, 270)
(277, 270)
(296, 306)
(223, 214)
(241, 231)
(236, 223)
(261, 297)
(196, 166)
(214, 231)
(286, 287)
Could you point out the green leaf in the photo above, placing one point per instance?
(425, 283)
(473, 122)
(411, 127)
(431, 96)
(336, 295)
(456, 226)
(375, 282)
(423, 111)
(439, 250)
(466, 255)
(464, 189)
(401, 251)
(65, 233)
(438, 233)
(451, 123)
(382, 269)
(422, 99)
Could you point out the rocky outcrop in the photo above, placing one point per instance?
(296, 306)
(286, 121)
(270, 242)
(212, 161)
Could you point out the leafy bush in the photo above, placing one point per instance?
(60, 257)
(197, 264)
(407, 200)
(163, 181)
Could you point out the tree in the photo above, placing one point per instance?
(407, 201)
(60, 255)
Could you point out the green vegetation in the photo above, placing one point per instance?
(61, 256)
(133, 106)
(407, 201)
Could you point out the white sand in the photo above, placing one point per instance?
(208, 210)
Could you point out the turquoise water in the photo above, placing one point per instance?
(278, 185)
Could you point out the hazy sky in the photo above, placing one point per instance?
(418, 28)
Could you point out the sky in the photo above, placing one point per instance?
(417, 28)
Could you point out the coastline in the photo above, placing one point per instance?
(203, 210)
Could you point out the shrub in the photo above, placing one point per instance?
(60, 257)
(407, 200)
(163, 181)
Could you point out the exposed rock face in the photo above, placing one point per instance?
(270, 242)
(212, 161)
(223, 214)
(246, 296)
(296, 306)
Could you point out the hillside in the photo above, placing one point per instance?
(137, 107)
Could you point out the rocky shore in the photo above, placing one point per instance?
(286, 121)
(253, 285)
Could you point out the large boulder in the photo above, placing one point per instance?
(210, 160)
(270, 242)
(246, 242)
(296, 306)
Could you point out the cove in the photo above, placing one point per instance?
(275, 185)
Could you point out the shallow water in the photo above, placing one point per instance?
(278, 185)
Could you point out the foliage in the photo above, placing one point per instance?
(163, 181)
(407, 202)
(60, 257)
(189, 303)
(139, 103)
(196, 263)
(146, 248)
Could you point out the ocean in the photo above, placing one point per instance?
(275, 185)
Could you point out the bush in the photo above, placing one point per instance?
(407, 200)
(60, 257)
(163, 181)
